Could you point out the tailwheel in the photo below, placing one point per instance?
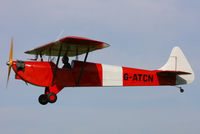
(181, 90)
(43, 100)
(52, 97)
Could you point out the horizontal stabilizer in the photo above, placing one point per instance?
(166, 73)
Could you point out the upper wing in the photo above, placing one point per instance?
(73, 45)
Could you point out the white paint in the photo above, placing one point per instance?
(178, 62)
(112, 75)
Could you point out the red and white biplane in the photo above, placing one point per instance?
(176, 71)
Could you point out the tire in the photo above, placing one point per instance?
(181, 90)
(52, 97)
(43, 100)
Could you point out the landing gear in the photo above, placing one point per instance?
(52, 97)
(43, 100)
(181, 89)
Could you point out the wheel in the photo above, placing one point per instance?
(181, 90)
(43, 99)
(52, 97)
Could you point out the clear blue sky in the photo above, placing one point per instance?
(141, 34)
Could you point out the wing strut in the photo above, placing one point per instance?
(41, 56)
(54, 74)
(77, 53)
(49, 58)
(82, 68)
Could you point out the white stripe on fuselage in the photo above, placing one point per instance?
(112, 75)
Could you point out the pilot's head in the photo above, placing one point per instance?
(65, 59)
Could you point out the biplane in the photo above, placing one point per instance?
(47, 74)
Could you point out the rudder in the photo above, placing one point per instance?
(178, 62)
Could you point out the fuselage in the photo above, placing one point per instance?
(94, 74)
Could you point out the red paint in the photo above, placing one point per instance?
(37, 73)
(92, 74)
(17, 77)
(81, 41)
(139, 77)
(52, 97)
(41, 74)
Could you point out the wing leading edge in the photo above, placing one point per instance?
(72, 45)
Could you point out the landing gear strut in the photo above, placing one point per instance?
(47, 97)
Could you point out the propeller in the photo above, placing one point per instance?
(10, 62)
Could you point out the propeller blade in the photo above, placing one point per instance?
(9, 69)
(10, 62)
(11, 51)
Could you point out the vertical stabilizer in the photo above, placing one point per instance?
(178, 62)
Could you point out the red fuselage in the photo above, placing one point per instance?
(94, 74)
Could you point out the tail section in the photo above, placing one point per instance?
(177, 62)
